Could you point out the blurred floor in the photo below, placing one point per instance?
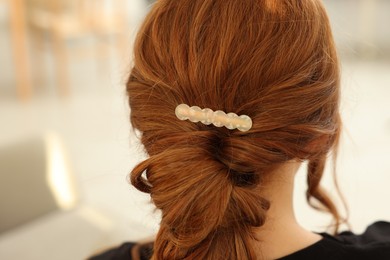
(94, 124)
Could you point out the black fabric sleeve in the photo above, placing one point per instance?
(123, 252)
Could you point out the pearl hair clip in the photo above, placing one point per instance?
(218, 118)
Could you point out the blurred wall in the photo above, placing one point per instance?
(361, 27)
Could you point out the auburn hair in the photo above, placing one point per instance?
(274, 61)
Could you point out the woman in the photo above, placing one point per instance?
(224, 180)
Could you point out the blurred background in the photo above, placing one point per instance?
(66, 146)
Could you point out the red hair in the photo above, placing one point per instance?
(274, 61)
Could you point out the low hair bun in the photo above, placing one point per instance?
(182, 179)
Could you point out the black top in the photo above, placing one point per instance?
(373, 244)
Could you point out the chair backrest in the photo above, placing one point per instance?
(91, 15)
(55, 6)
(26, 187)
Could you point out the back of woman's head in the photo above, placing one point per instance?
(274, 61)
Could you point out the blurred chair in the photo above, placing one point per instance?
(35, 181)
(23, 76)
(90, 25)
(39, 206)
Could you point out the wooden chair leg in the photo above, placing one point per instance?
(20, 52)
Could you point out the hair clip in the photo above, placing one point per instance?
(218, 118)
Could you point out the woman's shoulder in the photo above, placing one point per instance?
(374, 233)
(373, 243)
(126, 251)
(119, 252)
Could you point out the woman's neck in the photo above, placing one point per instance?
(281, 234)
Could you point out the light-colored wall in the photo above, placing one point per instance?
(361, 27)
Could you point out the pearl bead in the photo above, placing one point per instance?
(219, 118)
(246, 125)
(195, 114)
(208, 116)
(181, 111)
(229, 122)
